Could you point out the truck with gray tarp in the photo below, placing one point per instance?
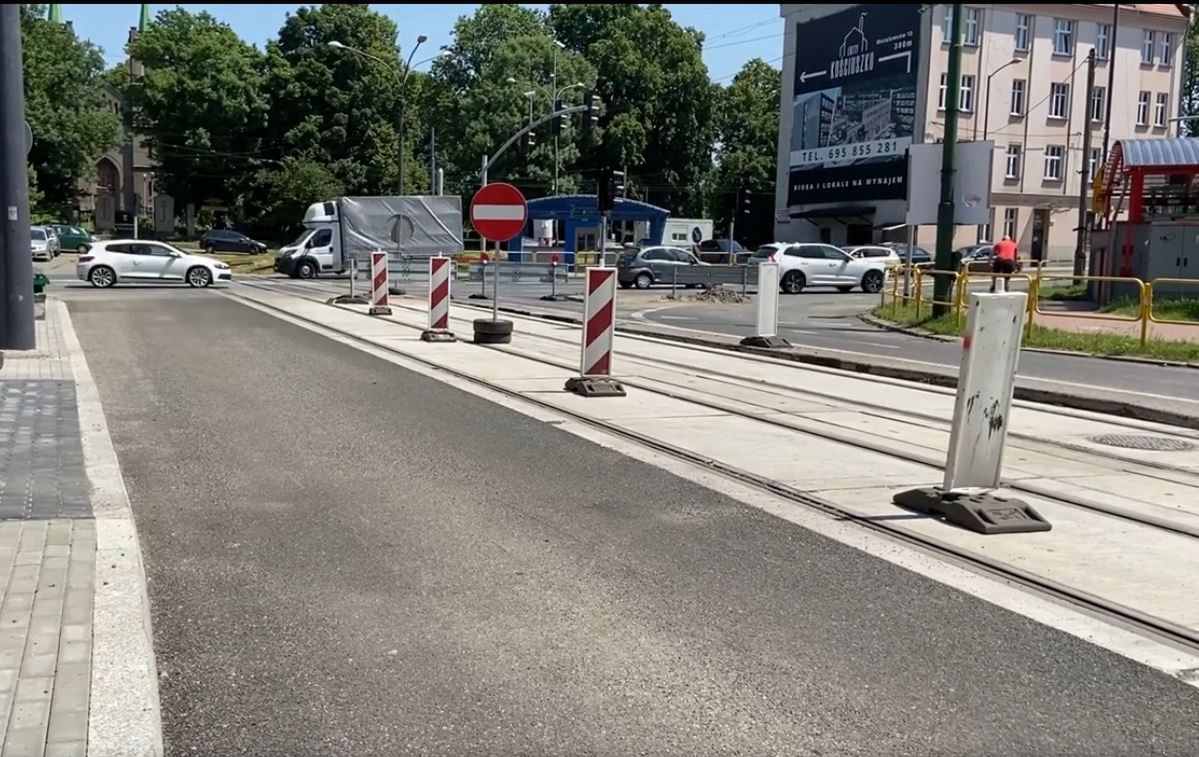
(338, 232)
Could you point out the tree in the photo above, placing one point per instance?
(65, 107)
(1190, 81)
(338, 108)
(199, 104)
(475, 108)
(284, 191)
(747, 122)
(651, 75)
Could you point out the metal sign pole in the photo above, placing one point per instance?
(495, 285)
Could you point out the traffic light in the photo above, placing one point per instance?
(591, 112)
(610, 184)
(744, 203)
(528, 141)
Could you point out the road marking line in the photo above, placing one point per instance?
(1147, 651)
(125, 716)
(679, 318)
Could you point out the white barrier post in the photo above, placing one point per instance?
(380, 304)
(981, 416)
(599, 332)
(768, 309)
(439, 301)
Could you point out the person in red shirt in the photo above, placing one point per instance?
(1003, 261)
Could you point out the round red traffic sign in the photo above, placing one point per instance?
(498, 212)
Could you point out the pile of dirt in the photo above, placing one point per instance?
(719, 295)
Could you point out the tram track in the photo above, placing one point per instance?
(1123, 614)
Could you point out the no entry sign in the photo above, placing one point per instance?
(498, 212)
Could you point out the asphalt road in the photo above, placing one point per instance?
(349, 558)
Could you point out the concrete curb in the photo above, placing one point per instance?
(918, 375)
(124, 716)
(913, 331)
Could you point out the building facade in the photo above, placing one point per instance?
(881, 71)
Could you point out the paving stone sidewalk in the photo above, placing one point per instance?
(47, 555)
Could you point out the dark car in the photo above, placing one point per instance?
(651, 265)
(721, 251)
(920, 256)
(977, 257)
(227, 240)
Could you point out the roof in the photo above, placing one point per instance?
(1166, 9)
(567, 200)
(1161, 153)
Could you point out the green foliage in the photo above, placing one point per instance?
(1190, 81)
(285, 191)
(747, 116)
(66, 109)
(200, 104)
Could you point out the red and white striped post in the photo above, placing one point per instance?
(380, 304)
(599, 332)
(439, 301)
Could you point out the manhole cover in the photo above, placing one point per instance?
(1154, 443)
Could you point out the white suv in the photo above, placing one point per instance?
(806, 264)
(132, 260)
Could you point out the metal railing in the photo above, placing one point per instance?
(1150, 290)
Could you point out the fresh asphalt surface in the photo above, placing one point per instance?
(349, 558)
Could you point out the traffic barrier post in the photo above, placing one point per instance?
(439, 302)
(978, 431)
(599, 332)
(380, 302)
(553, 275)
(768, 309)
(1152, 286)
(482, 293)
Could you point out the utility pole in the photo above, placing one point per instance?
(433, 158)
(733, 218)
(17, 285)
(942, 285)
(1084, 176)
(1111, 79)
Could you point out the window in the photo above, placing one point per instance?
(1098, 101)
(970, 27)
(1147, 48)
(322, 238)
(1053, 162)
(947, 30)
(657, 253)
(805, 251)
(1159, 110)
(1017, 97)
(1023, 27)
(1063, 36)
(1094, 161)
(1103, 37)
(1165, 50)
(966, 94)
(1012, 165)
(1010, 217)
(1143, 109)
(1059, 100)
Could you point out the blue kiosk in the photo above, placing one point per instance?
(580, 218)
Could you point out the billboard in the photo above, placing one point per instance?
(971, 183)
(854, 104)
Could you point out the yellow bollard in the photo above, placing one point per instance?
(1146, 310)
(919, 282)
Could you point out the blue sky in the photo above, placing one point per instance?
(735, 33)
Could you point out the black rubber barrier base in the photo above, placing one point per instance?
(380, 310)
(349, 299)
(478, 296)
(433, 335)
(594, 387)
(553, 297)
(488, 331)
(767, 342)
(984, 513)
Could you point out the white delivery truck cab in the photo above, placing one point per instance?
(686, 232)
(338, 232)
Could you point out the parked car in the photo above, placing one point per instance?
(132, 260)
(721, 251)
(73, 238)
(55, 245)
(651, 265)
(227, 240)
(920, 256)
(885, 255)
(822, 265)
(39, 241)
(977, 257)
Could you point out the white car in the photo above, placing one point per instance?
(41, 244)
(811, 264)
(133, 260)
(885, 255)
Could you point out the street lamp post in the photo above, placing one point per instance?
(402, 81)
(987, 99)
(555, 107)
